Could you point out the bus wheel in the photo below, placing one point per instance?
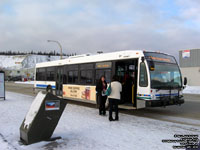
(49, 89)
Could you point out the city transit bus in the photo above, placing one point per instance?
(149, 79)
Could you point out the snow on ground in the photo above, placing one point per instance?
(81, 128)
(25, 82)
(192, 90)
(37, 102)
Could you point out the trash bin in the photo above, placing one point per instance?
(42, 118)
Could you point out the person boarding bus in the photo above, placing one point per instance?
(114, 97)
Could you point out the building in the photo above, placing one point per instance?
(22, 66)
(189, 61)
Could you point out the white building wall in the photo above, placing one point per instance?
(192, 74)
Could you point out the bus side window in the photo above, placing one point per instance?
(73, 77)
(108, 76)
(70, 77)
(72, 71)
(50, 74)
(143, 81)
(37, 74)
(86, 73)
(86, 76)
(41, 74)
(99, 73)
(106, 73)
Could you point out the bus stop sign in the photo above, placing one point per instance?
(2, 84)
(42, 118)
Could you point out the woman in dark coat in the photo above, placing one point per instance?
(101, 88)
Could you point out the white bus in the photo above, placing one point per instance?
(149, 79)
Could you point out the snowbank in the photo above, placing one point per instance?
(192, 90)
(25, 82)
(24, 61)
(34, 109)
(81, 128)
(11, 61)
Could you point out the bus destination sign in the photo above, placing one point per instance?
(159, 57)
(103, 65)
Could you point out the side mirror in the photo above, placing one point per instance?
(185, 81)
(142, 59)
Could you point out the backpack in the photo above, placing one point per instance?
(108, 91)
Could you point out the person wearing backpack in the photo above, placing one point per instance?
(114, 97)
(101, 89)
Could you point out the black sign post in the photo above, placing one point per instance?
(2, 85)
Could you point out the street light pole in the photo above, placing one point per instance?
(58, 45)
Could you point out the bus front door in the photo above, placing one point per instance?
(127, 73)
(59, 81)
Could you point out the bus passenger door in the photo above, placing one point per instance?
(126, 70)
(59, 81)
(134, 73)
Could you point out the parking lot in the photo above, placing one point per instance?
(188, 113)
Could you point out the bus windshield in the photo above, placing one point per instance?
(165, 76)
(166, 73)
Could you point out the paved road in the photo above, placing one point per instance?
(181, 114)
(20, 88)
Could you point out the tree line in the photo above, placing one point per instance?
(51, 53)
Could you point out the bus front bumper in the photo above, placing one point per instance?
(165, 101)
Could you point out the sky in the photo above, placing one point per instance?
(88, 26)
